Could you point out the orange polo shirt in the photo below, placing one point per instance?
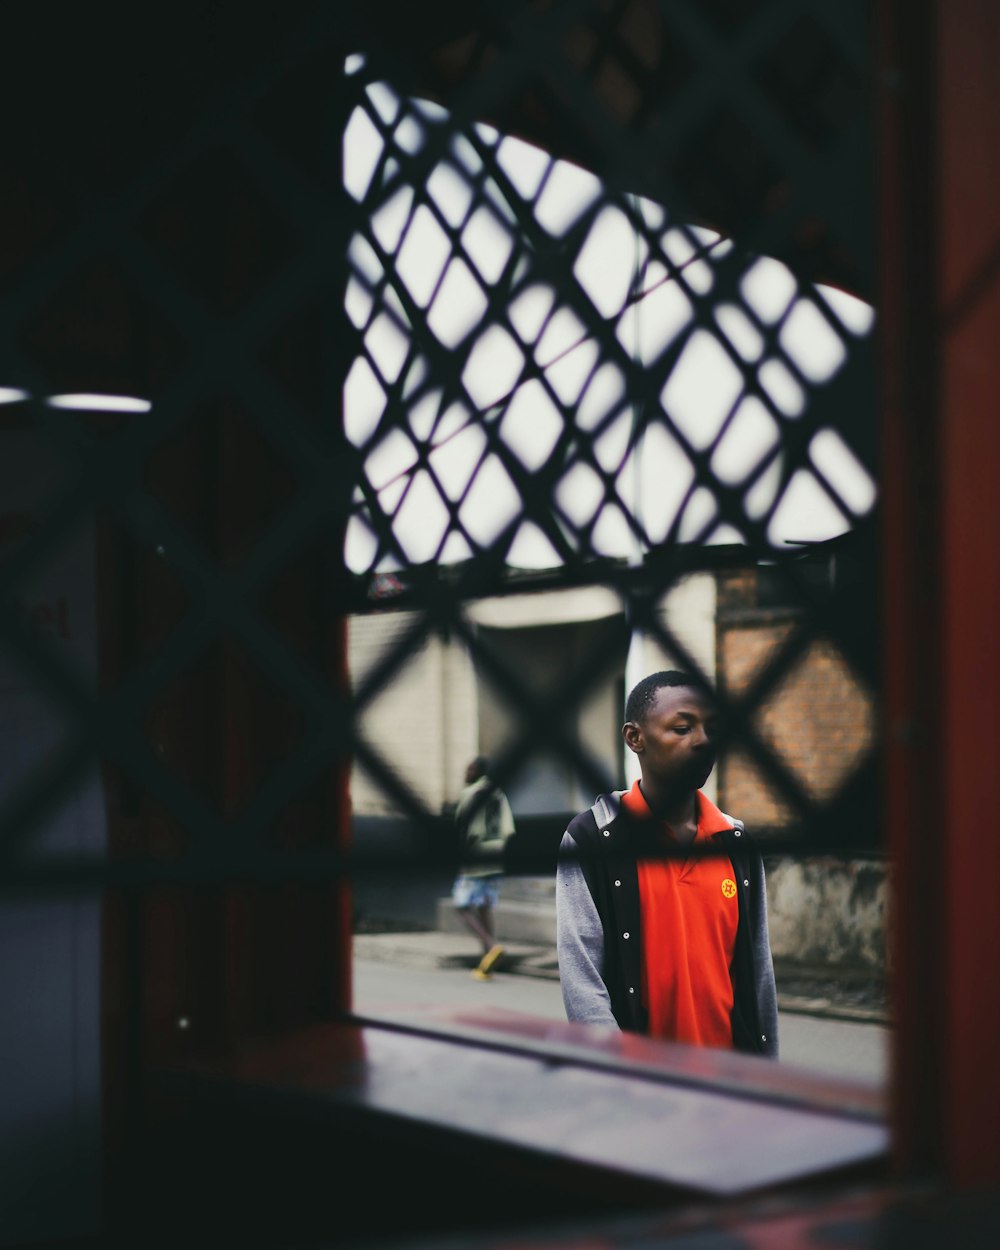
(690, 913)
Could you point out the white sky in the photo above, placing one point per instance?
(704, 391)
(700, 393)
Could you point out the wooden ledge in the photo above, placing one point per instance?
(697, 1123)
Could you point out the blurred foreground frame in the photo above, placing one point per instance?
(175, 810)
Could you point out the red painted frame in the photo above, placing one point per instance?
(939, 308)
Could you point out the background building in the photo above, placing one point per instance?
(827, 912)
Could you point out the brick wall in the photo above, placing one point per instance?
(820, 721)
(823, 910)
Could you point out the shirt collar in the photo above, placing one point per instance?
(710, 819)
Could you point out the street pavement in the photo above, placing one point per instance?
(393, 971)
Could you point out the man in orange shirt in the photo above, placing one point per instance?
(660, 898)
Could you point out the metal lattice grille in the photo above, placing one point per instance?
(583, 335)
(562, 371)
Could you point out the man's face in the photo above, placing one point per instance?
(675, 741)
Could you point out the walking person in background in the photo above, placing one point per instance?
(675, 947)
(485, 824)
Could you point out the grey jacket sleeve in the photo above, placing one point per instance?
(767, 995)
(579, 943)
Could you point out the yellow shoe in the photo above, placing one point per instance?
(490, 958)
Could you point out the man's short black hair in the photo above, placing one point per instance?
(643, 692)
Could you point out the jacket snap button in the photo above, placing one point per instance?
(631, 989)
(737, 832)
(607, 833)
(617, 883)
(624, 935)
(745, 881)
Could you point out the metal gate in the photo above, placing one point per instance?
(590, 280)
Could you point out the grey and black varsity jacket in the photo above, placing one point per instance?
(599, 935)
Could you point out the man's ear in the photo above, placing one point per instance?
(632, 735)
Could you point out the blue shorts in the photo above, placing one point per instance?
(475, 891)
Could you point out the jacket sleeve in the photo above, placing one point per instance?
(507, 825)
(767, 996)
(580, 943)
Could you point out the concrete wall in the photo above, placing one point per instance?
(436, 712)
(828, 912)
(543, 658)
(424, 722)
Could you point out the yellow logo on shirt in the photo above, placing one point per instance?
(729, 887)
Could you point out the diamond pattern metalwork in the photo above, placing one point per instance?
(590, 354)
(574, 374)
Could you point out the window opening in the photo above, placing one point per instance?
(562, 389)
